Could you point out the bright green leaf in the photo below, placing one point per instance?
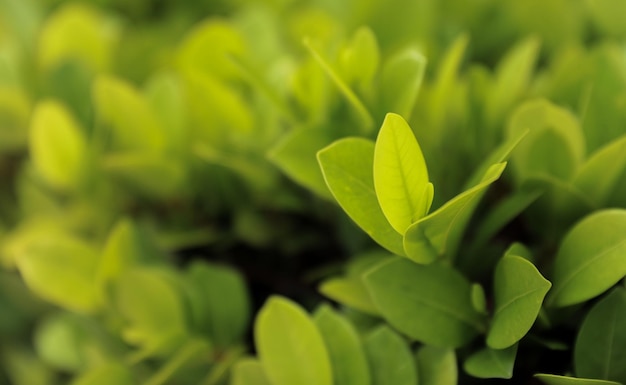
(60, 342)
(346, 353)
(57, 145)
(591, 258)
(350, 292)
(360, 58)
(401, 79)
(440, 232)
(289, 345)
(390, 358)
(431, 303)
(490, 363)
(436, 366)
(400, 174)
(519, 292)
(601, 343)
(347, 166)
(249, 371)
(551, 379)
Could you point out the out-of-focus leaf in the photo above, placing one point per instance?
(289, 345)
(347, 357)
(347, 166)
(360, 58)
(390, 358)
(400, 174)
(431, 303)
(436, 366)
(401, 79)
(491, 363)
(601, 343)
(590, 259)
(106, 374)
(249, 371)
(551, 379)
(57, 145)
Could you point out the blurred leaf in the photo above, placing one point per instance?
(78, 32)
(347, 166)
(289, 345)
(390, 358)
(436, 366)
(60, 342)
(165, 95)
(400, 174)
(111, 373)
(601, 343)
(440, 232)
(122, 109)
(347, 357)
(551, 379)
(519, 292)
(430, 303)
(219, 302)
(479, 300)
(490, 363)
(296, 153)
(249, 371)
(57, 145)
(360, 58)
(401, 79)
(590, 259)
(605, 15)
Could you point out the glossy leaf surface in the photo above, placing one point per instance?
(491, 363)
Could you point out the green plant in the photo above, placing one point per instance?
(168, 166)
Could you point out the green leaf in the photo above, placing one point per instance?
(606, 16)
(296, 153)
(360, 58)
(347, 166)
(436, 366)
(249, 371)
(479, 300)
(61, 269)
(431, 303)
(57, 145)
(401, 80)
(106, 374)
(599, 175)
(290, 346)
(601, 343)
(349, 364)
(120, 107)
(400, 174)
(151, 175)
(219, 302)
(60, 342)
(389, 358)
(590, 259)
(552, 379)
(440, 232)
(555, 144)
(490, 363)
(519, 292)
(151, 308)
(350, 292)
(364, 115)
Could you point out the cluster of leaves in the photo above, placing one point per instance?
(133, 132)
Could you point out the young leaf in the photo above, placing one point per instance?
(429, 303)
(601, 343)
(479, 300)
(551, 379)
(401, 80)
(490, 363)
(608, 162)
(440, 232)
(360, 58)
(346, 353)
(249, 371)
(591, 258)
(400, 174)
(350, 292)
(290, 346)
(57, 145)
(365, 116)
(295, 156)
(347, 166)
(389, 358)
(519, 292)
(436, 366)
(219, 303)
